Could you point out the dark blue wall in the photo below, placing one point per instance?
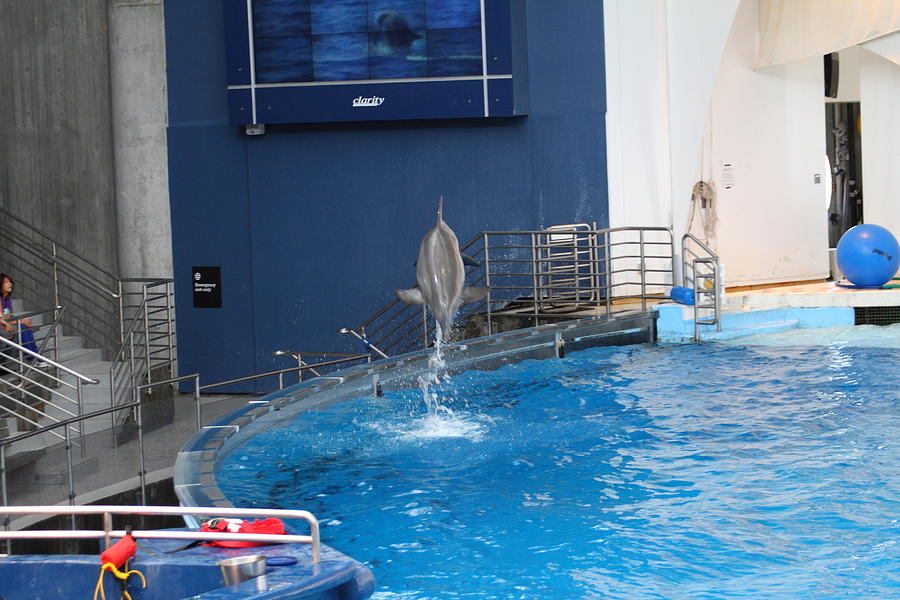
(313, 226)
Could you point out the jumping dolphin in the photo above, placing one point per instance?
(441, 275)
(395, 35)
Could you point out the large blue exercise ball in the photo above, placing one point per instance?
(868, 255)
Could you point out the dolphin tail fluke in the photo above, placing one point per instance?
(472, 294)
(410, 296)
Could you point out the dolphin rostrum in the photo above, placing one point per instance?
(441, 275)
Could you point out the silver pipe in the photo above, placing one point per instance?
(643, 271)
(197, 400)
(143, 471)
(55, 275)
(131, 374)
(70, 470)
(107, 527)
(5, 497)
(362, 338)
(696, 299)
(57, 315)
(487, 282)
(121, 302)
(608, 274)
(534, 276)
(147, 336)
(717, 289)
(79, 394)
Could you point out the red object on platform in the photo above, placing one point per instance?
(266, 526)
(119, 553)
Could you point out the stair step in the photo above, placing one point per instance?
(68, 343)
(80, 357)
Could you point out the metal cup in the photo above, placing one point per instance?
(241, 568)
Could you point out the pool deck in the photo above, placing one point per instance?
(772, 308)
(814, 294)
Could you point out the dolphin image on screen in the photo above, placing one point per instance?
(441, 275)
(395, 36)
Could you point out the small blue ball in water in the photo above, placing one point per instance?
(868, 255)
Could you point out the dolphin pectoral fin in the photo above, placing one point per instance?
(471, 294)
(469, 261)
(410, 296)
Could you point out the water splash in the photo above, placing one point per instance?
(437, 367)
(443, 425)
(440, 421)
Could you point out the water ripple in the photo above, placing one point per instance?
(667, 472)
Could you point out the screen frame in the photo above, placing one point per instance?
(499, 91)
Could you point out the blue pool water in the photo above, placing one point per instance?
(697, 471)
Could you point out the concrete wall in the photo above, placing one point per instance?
(138, 66)
(314, 226)
(56, 153)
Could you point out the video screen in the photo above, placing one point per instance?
(346, 40)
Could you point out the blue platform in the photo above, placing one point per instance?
(191, 573)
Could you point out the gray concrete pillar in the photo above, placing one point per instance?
(139, 116)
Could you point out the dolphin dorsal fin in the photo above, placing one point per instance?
(440, 208)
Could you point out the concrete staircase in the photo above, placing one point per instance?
(74, 355)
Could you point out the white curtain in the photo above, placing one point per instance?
(794, 30)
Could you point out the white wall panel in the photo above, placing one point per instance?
(879, 81)
(770, 125)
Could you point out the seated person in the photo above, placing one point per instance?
(7, 322)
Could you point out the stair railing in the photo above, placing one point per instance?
(278, 374)
(51, 273)
(131, 320)
(30, 393)
(546, 275)
(701, 273)
(147, 352)
(46, 335)
(69, 425)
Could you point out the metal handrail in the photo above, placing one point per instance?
(702, 266)
(133, 362)
(107, 533)
(26, 382)
(66, 423)
(82, 274)
(280, 372)
(543, 273)
(57, 312)
(8, 215)
(50, 361)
